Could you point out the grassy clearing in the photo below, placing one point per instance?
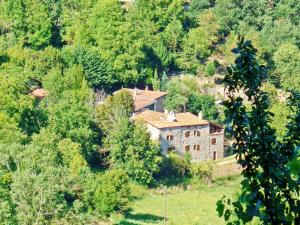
(191, 206)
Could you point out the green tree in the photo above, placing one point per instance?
(280, 119)
(205, 104)
(287, 65)
(198, 6)
(269, 191)
(177, 96)
(113, 192)
(279, 32)
(30, 21)
(228, 13)
(142, 157)
(7, 168)
(197, 44)
(70, 153)
(210, 69)
(70, 113)
(114, 107)
(97, 71)
(130, 147)
(156, 82)
(75, 16)
(39, 171)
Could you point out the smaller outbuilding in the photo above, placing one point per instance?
(146, 99)
(39, 93)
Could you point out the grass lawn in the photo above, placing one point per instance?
(184, 207)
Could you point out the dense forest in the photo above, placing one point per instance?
(65, 159)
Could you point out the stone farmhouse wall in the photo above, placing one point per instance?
(180, 141)
(159, 105)
(218, 147)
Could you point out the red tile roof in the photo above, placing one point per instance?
(39, 93)
(144, 98)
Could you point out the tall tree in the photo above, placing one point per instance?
(30, 22)
(269, 190)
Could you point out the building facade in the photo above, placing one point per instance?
(185, 133)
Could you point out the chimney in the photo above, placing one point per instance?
(200, 115)
(135, 92)
(171, 117)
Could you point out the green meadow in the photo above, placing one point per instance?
(189, 205)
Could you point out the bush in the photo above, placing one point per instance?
(113, 192)
(175, 166)
(202, 172)
(210, 69)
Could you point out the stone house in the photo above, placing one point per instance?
(146, 99)
(185, 133)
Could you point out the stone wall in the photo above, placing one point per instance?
(154, 132)
(218, 147)
(180, 141)
(159, 105)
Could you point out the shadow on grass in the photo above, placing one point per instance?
(139, 217)
(172, 181)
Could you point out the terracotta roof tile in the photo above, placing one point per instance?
(147, 94)
(159, 120)
(39, 93)
(142, 103)
(144, 98)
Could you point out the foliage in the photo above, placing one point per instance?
(198, 42)
(281, 112)
(210, 69)
(205, 104)
(29, 22)
(174, 166)
(113, 192)
(130, 148)
(69, 114)
(142, 157)
(52, 148)
(269, 191)
(97, 71)
(202, 172)
(107, 114)
(177, 96)
(38, 203)
(287, 59)
(156, 82)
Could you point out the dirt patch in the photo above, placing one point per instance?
(227, 169)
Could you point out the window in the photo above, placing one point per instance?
(197, 133)
(150, 107)
(170, 149)
(213, 141)
(187, 134)
(187, 148)
(170, 137)
(196, 147)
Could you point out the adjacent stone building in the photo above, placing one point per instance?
(147, 100)
(185, 133)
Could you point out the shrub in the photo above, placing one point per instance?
(175, 166)
(202, 172)
(113, 192)
(210, 69)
